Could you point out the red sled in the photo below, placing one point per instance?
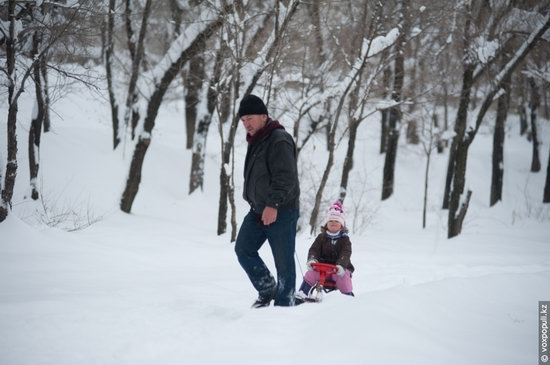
(325, 283)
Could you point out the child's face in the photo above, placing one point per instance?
(333, 226)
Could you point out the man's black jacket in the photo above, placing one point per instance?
(270, 172)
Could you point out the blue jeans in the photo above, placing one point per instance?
(281, 236)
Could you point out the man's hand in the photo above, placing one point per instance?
(269, 215)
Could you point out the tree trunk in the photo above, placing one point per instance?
(109, 72)
(546, 104)
(11, 166)
(533, 106)
(426, 180)
(177, 12)
(129, 28)
(193, 87)
(196, 179)
(523, 125)
(457, 210)
(134, 176)
(445, 112)
(383, 130)
(460, 122)
(391, 139)
(498, 145)
(348, 161)
(546, 198)
(434, 124)
(144, 139)
(458, 154)
(386, 84)
(439, 141)
(395, 115)
(222, 203)
(391, 153)
(45, 92)
(35, 129)
(411, 53)
(131, 113)
(412, 132)
(315, 15)
(522, 110)
(449, 176)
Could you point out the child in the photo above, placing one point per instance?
(332, 246)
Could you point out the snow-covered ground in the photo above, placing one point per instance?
(159, 286)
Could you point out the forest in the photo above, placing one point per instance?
(431, 73)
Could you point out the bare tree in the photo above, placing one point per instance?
(214, 88)
(128, 14)
(522, 109)
(361, 92)
(534, 104)
(17, 31)
(352, 78)
(428, 144)
(458, 205)
(497, 176)
(395, 116)
(315, 14)
(477, 20)
(109, 52)
(45, 91)
(11, 167)
(386, 84)
(193, 85)
(169, 68)
(35, 129)
(546, 197)
(131, 112)
(258, 67)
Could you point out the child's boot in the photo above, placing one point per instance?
(304, 290)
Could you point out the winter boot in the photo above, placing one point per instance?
(264, 299)
(304, 290)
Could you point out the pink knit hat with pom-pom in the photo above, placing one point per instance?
(336, 213)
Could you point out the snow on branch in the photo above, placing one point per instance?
(380, 43)
(539, 73)
(506, 71)
(265, 56)
(485, 49)
(523, 50)
(173, 54)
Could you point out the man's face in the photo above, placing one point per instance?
(253, 122)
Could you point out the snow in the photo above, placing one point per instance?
(158, 286)
(485, 49)
(382, 42)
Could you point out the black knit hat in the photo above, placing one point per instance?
(251, 104)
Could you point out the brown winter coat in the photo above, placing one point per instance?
(332, 251)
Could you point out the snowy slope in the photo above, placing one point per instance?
(159, 287)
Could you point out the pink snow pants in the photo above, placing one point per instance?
(343, 283)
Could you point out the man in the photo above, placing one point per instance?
(271, 188)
